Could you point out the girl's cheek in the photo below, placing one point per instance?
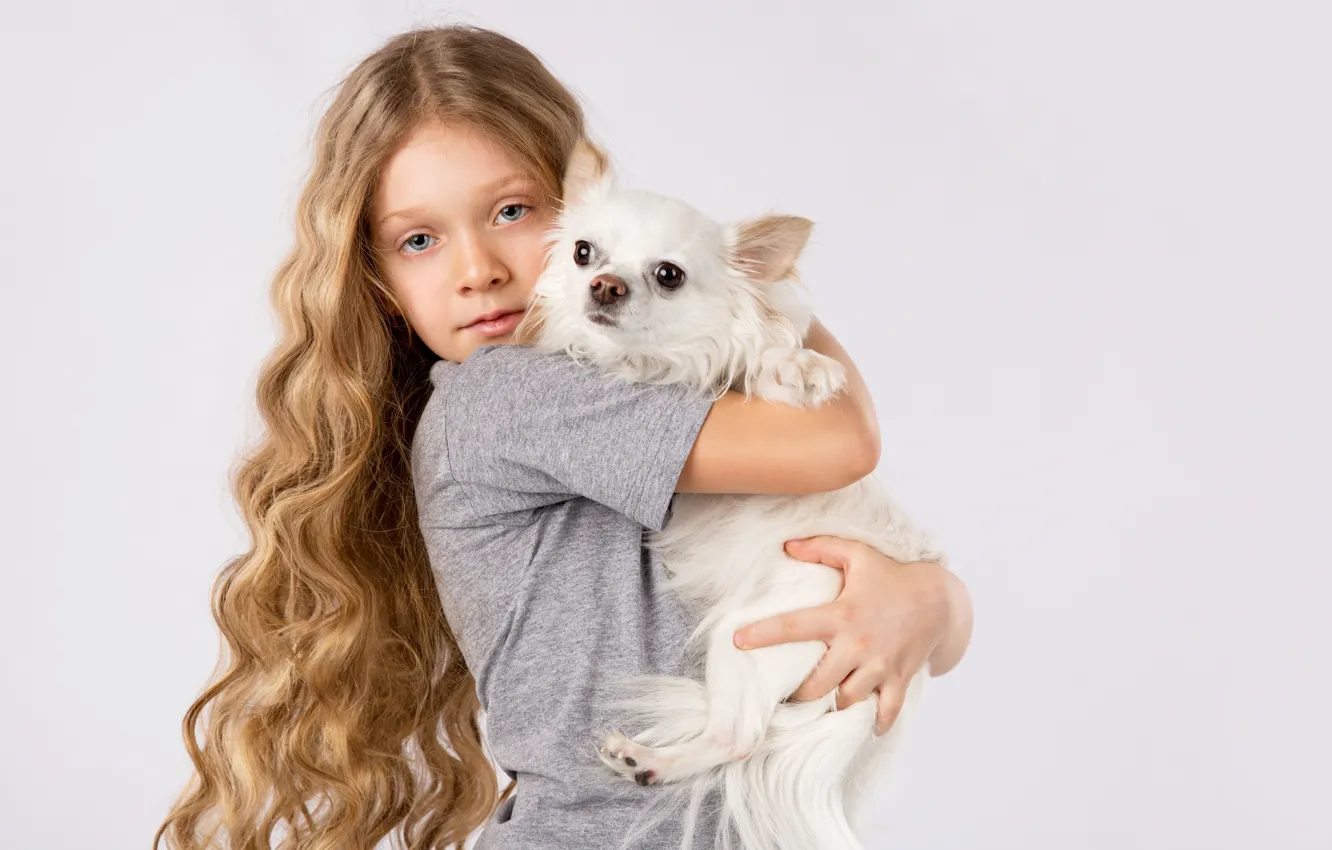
(538, 252)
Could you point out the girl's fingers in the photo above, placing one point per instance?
(805, 624)
(891, 696)
(859, 685)
(830, 551)
(832, 669)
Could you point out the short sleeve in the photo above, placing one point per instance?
(527, 427)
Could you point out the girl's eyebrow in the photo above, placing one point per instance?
(410, 212)
(493, 186)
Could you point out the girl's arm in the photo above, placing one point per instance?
(748, 445)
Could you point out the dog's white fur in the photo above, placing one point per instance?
(788, 772)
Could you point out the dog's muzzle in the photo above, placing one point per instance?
(608, 290)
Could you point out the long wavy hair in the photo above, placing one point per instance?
(341, 711)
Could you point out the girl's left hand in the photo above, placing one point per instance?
(889, 621)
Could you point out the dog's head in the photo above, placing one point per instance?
(653, 287)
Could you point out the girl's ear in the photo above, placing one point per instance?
(588, 166)
(766, 249)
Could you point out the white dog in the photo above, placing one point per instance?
(649, 289)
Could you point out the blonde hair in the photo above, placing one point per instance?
(323, 722)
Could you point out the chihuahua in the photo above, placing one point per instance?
(647, 288)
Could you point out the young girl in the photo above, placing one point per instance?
(443, 523)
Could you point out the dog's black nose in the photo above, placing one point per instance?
(608, 289)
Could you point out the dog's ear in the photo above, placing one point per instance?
(587, 167)
(766, 249)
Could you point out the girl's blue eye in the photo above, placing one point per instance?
(513, 212)
(407, 243)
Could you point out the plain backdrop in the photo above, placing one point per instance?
(1080, 250)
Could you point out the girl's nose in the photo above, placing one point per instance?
(478, 265)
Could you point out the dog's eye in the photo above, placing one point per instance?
(583, 252)
(670, 276)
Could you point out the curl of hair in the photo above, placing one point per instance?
(341, 711)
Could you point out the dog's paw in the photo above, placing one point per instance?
(627, 759)
(798, 376)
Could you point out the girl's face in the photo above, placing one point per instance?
(460, 230)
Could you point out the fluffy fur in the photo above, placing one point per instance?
(649, 289)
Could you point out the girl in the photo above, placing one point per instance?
(444, 523)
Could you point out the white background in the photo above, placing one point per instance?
(1080, 250)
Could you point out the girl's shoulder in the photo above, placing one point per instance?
(495, 384)
(518, 426)
(504, 365)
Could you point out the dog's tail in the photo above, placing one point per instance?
(791, 791)
(796, 791)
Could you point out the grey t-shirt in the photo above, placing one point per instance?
(536, 478)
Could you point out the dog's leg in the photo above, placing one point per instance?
(743, 690)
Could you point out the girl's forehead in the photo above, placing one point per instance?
(453, 155)
(441, 164)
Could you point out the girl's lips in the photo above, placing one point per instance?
(498, 326)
